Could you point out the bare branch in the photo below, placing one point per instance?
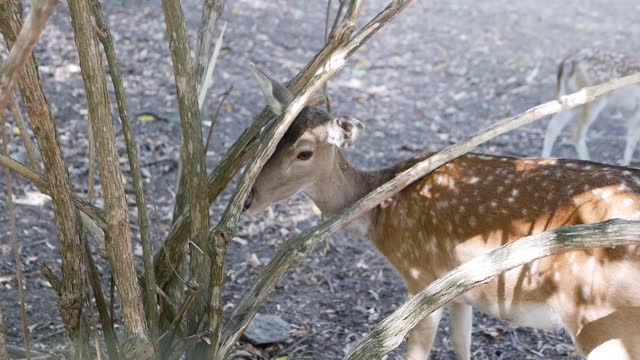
(295, 250)
(23, 46)
(150, 300)
(119, 234)
(14, 240)
(211, 13)
(192, 155)
(391, 331)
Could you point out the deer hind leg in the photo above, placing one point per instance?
(633, 135)
(588, 115)
(614, 336)
(461, 318)
(422, 336)
(555, 127)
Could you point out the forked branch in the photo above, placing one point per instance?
(117, 212)
(192, 175)
(150, 303)
(96, 214)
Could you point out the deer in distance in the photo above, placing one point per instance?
(589, 67)
(469, 207)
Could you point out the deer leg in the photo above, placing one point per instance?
(422, 335)
(557, 123)
(633, 135)
(461, 318)
(589, 113)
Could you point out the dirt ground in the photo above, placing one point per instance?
(440, 72)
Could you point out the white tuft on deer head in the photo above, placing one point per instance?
(468, 207)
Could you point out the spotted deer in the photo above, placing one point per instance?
(469, 207)
(589, 67)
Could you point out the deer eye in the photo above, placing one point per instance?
(305, 155)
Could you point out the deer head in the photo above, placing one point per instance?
(306, 153)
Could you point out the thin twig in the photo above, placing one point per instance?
(23, 46)
(392, 330)
(14, 241)
(295, 250)
(112, 295)
(193, 289)
(325, 87)
(92, 275)
(327, 34)
(24, 135)
(211, 13)
(51, 277)
(211, 65)
(92, 164)
(110, 337)
(91, 270)
(214, 120)
(94, 329)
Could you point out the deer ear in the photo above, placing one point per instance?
(276, 95)
(344, 131)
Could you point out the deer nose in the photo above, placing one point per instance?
(248, 201)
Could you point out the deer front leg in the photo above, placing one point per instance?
(422, 335)
(557, 123)
(589, 114)
(461, 318)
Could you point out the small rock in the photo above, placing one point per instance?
(253, 261)
(267, 329)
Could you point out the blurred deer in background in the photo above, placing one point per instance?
(468, 207)
(590, 67)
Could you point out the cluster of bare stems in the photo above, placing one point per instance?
(172, 306)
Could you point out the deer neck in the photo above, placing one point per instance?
(344, 185)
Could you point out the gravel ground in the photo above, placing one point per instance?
(441, 72)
